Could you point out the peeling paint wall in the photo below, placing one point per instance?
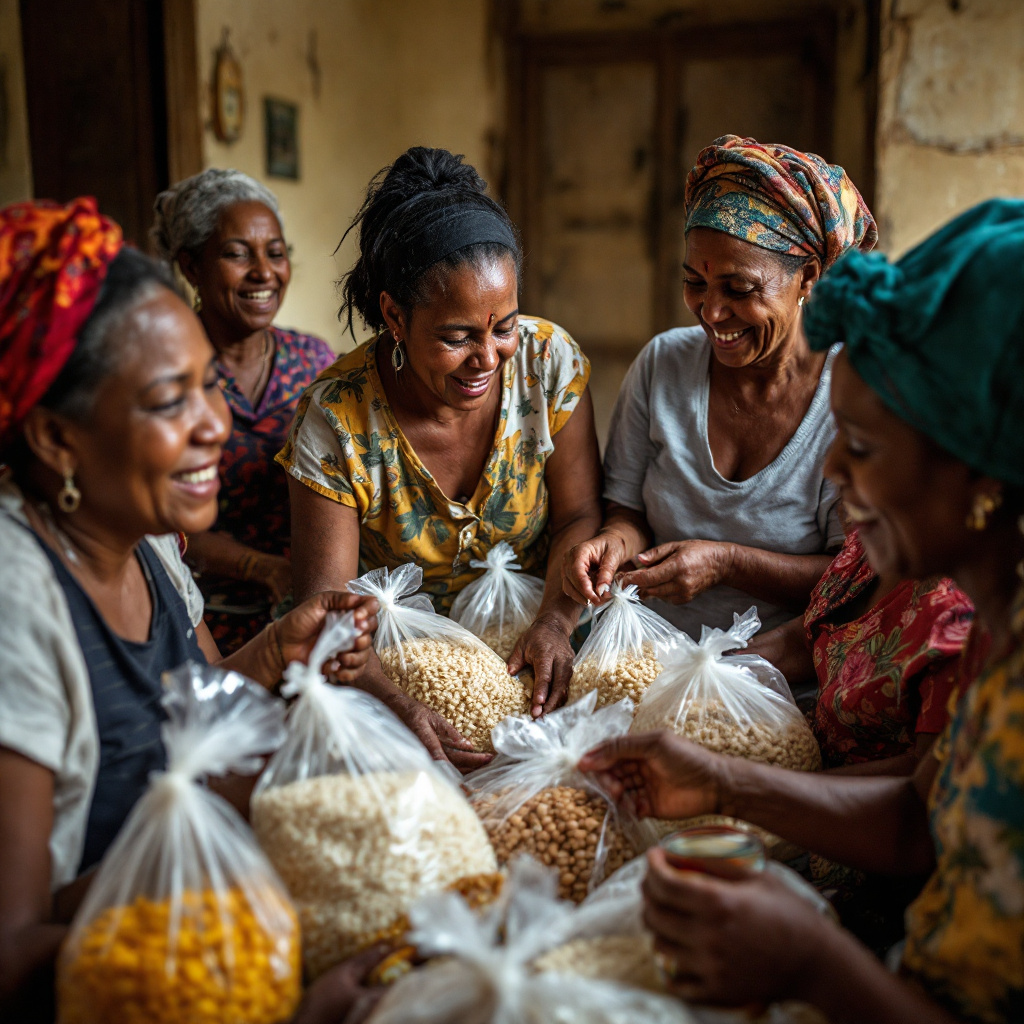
(951, 112)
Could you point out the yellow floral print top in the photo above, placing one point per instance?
(965, 932)
(346, 445)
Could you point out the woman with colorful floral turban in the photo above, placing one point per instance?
(713, 472)
(928, 394)
(111, 430)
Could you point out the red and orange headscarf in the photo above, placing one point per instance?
(53, 260)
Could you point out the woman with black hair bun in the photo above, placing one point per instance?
(459, 425)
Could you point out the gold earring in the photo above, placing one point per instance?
(984, 505)
(398, 356)
(800, 301)
(197, 303)
(69, 497)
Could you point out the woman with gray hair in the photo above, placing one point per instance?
(223, 230)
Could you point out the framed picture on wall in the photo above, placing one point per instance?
(282, 134)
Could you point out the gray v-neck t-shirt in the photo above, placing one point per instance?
(658, 461)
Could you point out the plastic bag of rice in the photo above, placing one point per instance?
(501, 604)
(740, 705)
(619, 658)
(355, 817)
(437, 661)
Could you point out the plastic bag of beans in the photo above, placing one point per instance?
(185, 920)
(355, 817)
(480, 967)
(619, 658)
(437, 661)
(501, 604)
(533, 800)
(739, 705)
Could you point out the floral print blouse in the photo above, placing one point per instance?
(346, 445)
(965, 932)
(886, 676)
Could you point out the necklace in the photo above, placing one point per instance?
(260, 384)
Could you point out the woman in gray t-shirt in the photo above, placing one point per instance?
(714, 468)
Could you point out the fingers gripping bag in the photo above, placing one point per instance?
(502, 604)
(740, 705)
(533, 799)
(619, 657)
(355, 817)
(185, 920)
(437, 661)
(481, 971)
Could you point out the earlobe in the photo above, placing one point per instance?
(46, 438)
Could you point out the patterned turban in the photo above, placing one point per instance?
(53, 260)
(779, 199)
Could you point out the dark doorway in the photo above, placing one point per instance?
(97, 104)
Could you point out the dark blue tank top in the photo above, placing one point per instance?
(126, 692)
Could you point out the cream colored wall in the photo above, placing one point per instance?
(15, 155)
(392, 74)
(951, 112)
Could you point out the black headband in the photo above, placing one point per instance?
(450, 228)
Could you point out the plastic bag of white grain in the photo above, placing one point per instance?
(534, 800)
(481, 973)
(501, 604)
(437, 661)
(739, 705)
(619, 658)
(354, 815)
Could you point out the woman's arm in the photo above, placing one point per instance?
(573, 478)
(788, 649)
(220, 554)
(589, 568)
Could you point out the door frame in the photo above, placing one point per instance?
(181, 73)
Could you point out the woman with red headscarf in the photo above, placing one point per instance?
(111, 429)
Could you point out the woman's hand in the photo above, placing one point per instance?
(735, 943)
(272, 572)
(589, 568)
(297, 632)
(680, 570)
(658, 775)
(342, 995)
(443, 741)
(545, 648)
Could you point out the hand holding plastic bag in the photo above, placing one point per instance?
(186, 921)
(619, 658)
(438, 662)
(740, 705)
(502, 604)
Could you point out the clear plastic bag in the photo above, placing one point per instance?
(501, 604)
(485, 974)
(533, 799)
(185, 920)
(355, 817)
(437, 661)
(740, 705)
(619, 658)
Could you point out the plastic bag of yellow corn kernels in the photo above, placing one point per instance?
(355, 817)
(619, 657)
(501, 604)
(185, 920)
(534, 800)
(437, 661)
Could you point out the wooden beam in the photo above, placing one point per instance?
(184, 127)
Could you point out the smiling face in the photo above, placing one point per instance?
(908, 498)
(743, 296)
(146, 458)
(242, 272)
(458, 341)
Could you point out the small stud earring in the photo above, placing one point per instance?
(69, 497)
(984, 505)
(800, 301)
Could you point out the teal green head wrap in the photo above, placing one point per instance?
(939, 334)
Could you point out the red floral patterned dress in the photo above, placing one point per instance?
(253, 501)
(888, 675)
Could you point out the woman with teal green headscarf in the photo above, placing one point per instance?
(928, 396)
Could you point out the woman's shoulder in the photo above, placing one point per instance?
(346, 381)
(549, 353)
(310, 346)
(676, 351)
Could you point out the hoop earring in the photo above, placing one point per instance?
(69, 496)
(984, 505)
(398, 356)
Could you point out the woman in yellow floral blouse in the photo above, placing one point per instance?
(928, 395)
(461, 424)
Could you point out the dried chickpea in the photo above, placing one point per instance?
(560, 827)
(121, 968)
(630, 676)
(468, 686)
